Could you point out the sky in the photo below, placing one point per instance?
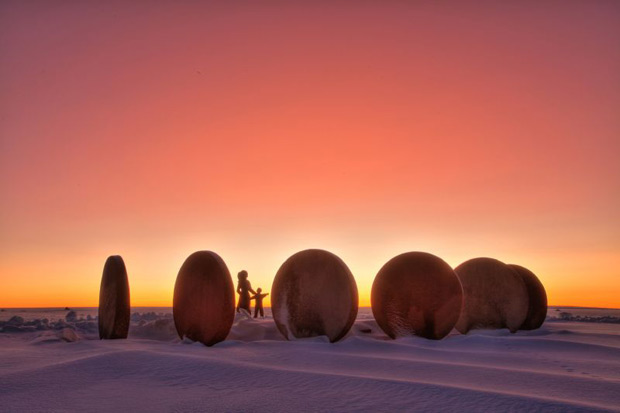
(259, 129)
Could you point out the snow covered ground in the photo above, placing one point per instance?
(52, 360)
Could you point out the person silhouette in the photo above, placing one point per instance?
(259, 302)
(243, 289)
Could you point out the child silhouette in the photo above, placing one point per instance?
(259, 302)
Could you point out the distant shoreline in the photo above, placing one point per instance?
(155, 306)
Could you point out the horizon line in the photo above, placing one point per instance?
(169, 306)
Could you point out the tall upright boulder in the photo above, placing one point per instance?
(114, 308)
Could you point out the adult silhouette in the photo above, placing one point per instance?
(244, 289)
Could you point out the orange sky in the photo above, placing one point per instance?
(258, 130)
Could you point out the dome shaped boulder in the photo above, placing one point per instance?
(313, 294)
(416, 293)
(494, 296)
(203, 305)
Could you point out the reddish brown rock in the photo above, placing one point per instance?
(537, 309)
(313, 294)
(494, 296)
(416, 293)
(203, 305)
(114, 309)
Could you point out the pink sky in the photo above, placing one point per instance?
(257, 130)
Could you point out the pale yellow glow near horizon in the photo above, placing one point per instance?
(75, 283)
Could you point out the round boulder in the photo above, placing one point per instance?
(416, 293)
(314, 294)
(203, 305)
(114, 309)
(494, 296)
(537, 310)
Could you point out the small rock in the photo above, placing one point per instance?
(15, 321)
(68, 335)
(11, 329)
(60, 324)
(71, 317)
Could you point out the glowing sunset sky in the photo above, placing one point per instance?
(259, 129)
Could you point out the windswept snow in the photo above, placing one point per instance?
(60, 365)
